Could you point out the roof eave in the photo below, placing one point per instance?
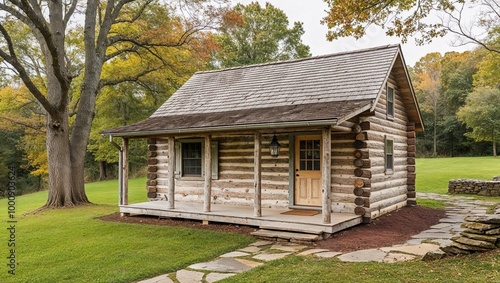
(259, 126)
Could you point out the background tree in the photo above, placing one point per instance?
(481, 113)
(253, 34)
(104, 39)
(406, 18)
(427, 81)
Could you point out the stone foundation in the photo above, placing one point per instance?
(476, 187)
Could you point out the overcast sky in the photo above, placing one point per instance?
(310, 13)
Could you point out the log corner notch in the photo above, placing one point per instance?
(152, 168)
(363, 173)
(411, 154)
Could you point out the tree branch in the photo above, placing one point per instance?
(12, 59)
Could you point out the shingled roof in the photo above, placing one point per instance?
(316, 90)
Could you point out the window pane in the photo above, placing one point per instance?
(191, 159)
(316, 165)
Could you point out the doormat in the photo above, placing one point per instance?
(301, 212)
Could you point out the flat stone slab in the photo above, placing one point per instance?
(364, 256)
(313, 251)
(214, 276)
(250, 263)
(158, 279)
(431, 235)
(250, 249)
(327, 254)
(227, 265)
(189, 276)
(398, 257)
(286, 235)
(261, 243)
(441, 225)
(235, 254)
(420, 250)
(270, 257)
(288, 248)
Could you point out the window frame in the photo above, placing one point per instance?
(179, 159)
(389, 155)
(390, 103)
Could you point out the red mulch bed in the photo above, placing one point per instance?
(394, 228)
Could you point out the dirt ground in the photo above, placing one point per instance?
(390, 229)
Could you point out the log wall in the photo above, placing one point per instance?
(388, 190)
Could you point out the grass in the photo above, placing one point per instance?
(431, 203)
(476, 268)
(433, 174)
(71, 245)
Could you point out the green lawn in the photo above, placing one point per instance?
(472, 269)
(433, 174)
(71, 245)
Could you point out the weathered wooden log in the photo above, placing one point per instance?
(152, 182)
(151, 140)
(411, 194)
(367, 202)
(361, 154)
(152, 195)
(360, 144)
(152, 176)
(359, 183)
(358, 192)
(410, 160)
(365, 126)
(410, 126)
(410, 169)
(152, 161)
(411, 148)
(152, 147)
(412, 141)
(359, 210)
(359, 201)
(410, 187)
(358, 162)
(341, 129)
(151, 189)
(356, 128)
(152, 169)
(411, 154)
(367, 193)
(410, 181)
(152, 154)
(361, 136)
(411, 135)
(358, 172)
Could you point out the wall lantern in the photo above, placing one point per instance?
(274, 147)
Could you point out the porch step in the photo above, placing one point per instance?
(292, 229)
(287, 236)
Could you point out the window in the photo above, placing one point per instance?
(189, 155)
(191, 159)
(389, 155)
(390, 102)
(310, 153)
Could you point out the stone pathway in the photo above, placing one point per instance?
(260, 252)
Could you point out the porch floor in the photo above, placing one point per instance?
(243, 215)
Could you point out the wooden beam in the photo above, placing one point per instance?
(171, 173)
(257, 177)
(208, 174)
(124, 175)
(326, 175)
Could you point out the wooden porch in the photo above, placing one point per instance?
(244, 215)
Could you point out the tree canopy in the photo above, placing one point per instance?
(424, 19)
(253, 34)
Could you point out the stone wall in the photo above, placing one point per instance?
(482, 234)
(476, 187)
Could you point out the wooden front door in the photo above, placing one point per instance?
(307, 170)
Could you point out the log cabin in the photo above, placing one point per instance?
(317, 144)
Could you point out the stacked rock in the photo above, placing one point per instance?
(482, 234)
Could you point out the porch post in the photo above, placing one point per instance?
(326, 172)
(171, 172)
(208, 173)
(124, 174)
(257, 183)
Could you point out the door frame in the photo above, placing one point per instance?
(291, 167)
